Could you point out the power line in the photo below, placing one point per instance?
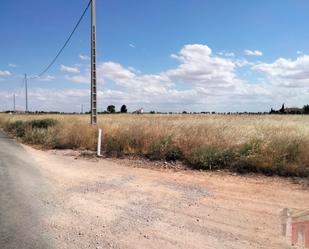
(65, 44)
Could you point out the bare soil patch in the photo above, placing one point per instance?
(125, 203)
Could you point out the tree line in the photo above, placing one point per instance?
(123, 109)
(291, 110)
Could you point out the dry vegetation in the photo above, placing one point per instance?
(268, 144)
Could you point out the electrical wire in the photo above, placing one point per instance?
(64, 45)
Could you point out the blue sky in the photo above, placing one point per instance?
(161, 55)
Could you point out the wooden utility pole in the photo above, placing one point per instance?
(93, 65)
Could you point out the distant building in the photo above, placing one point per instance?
(289, 110)
(295, 227)
(294, 110)
(139, 111)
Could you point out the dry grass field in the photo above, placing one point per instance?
(268, 144)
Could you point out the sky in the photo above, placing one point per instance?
(163, 55)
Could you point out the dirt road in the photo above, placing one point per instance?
(80, 203)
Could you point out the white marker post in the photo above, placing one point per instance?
(99, 142)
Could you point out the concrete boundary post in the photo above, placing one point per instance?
(99, 142)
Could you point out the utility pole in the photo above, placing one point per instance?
(93, 65)
(26, 87)
(14, 109)
(82, 108)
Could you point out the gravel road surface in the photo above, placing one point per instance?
(57, 199)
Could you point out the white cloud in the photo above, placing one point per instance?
(287, 72)
(78, 78)
(226, 54)
(84, 57)
(253, 52)
(202, 81)
(130, 80)
(200, 68)
(134, 70)
(174, 56)
(68, 69)
(243, 63)
(229, 54)
(5, 73)
(211, 79)
(12, 65)
(299, 52)
(132, 45)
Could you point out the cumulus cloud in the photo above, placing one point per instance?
(57, 99)
(201, 81)
(209, 78)
(124, 77)
(287, 72)
(5, 73)
(68, 69)
(253, 52)
(211, 81)
(84, 57)
(200, 68)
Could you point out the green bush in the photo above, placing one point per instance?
(35, 136)
(16, 128)
(164, 149)
(211, 157)
(42, 123)
(32, 132)
(115, 146)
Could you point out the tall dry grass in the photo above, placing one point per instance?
(269, 144)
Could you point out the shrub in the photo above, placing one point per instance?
(211, 157)
(35, 136)
(32, 132)
(42, 123)
(164, 148)
(16, 128)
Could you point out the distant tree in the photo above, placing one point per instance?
(123, 109)
(306, 109)
(282, 110)
(111, 109)
(152, 112)
(184, 112)
(272, 111)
